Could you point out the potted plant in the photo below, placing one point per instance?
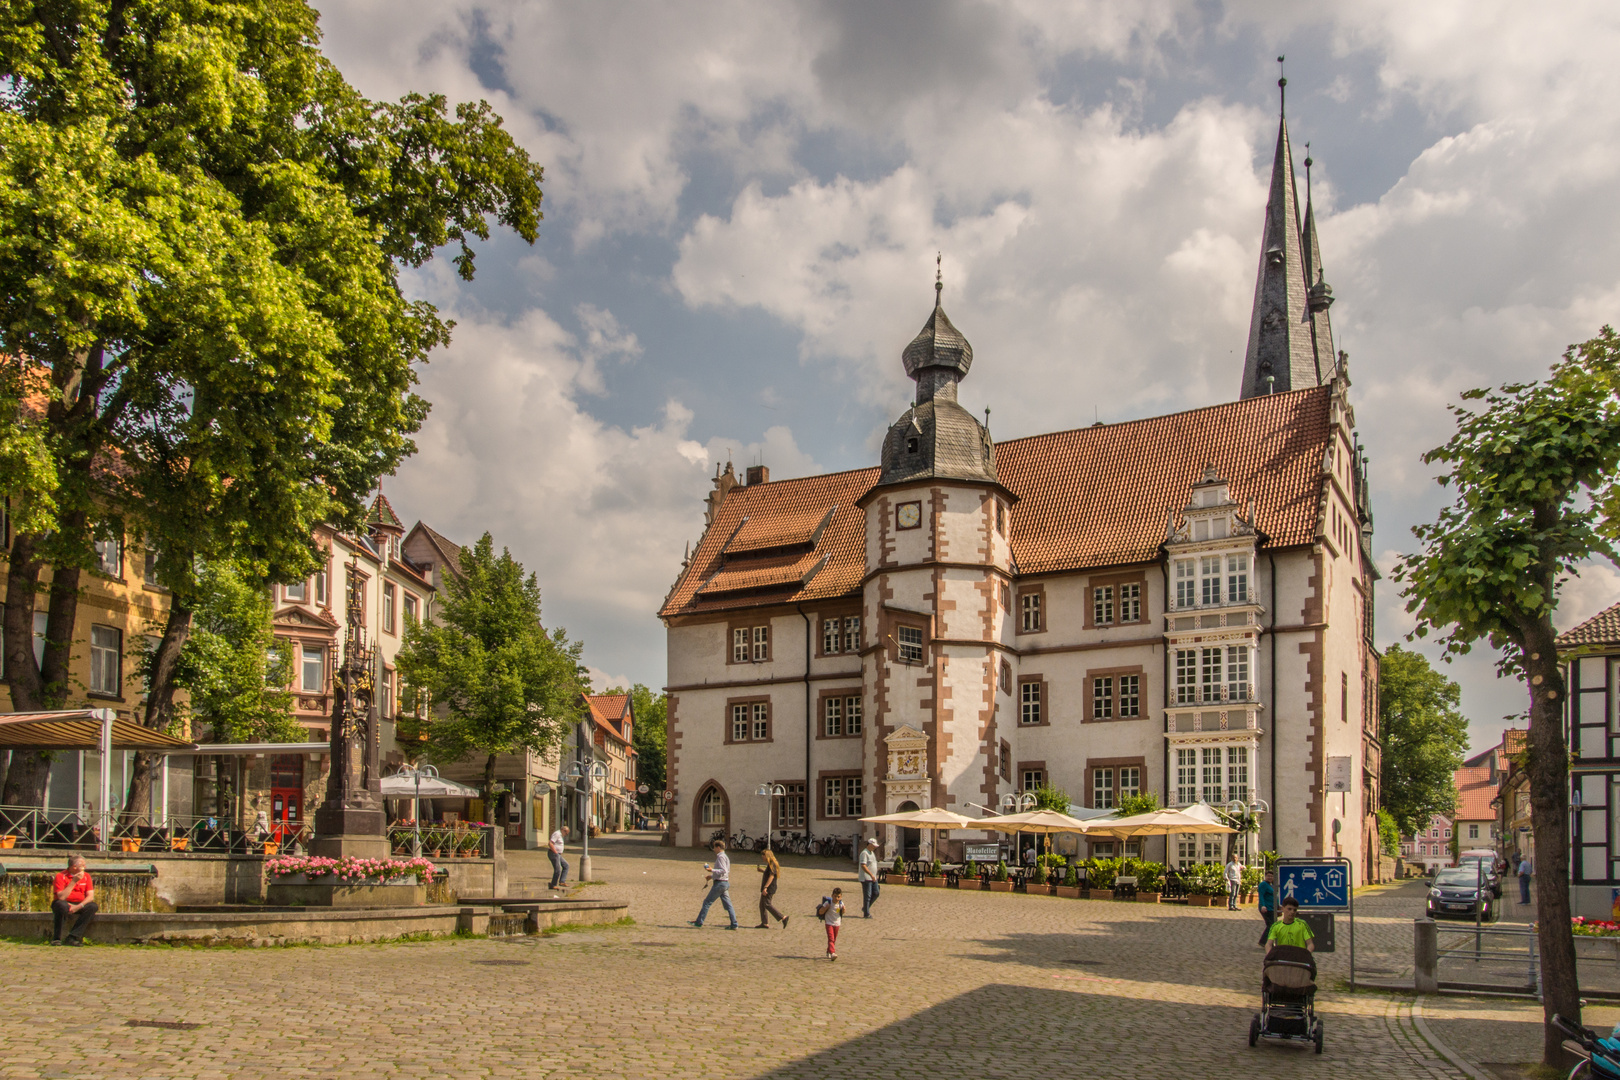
(8, 841)
(1100, 875)
(1071, 883)
(998, 879)
(1251, 883)
(1149, 882)
(1205, 882)
(129, 843)
(179, 843)
(936, 875)
(968, 876)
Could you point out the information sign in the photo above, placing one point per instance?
(981, 852)
(1317, 886)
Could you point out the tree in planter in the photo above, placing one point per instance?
(1424, 736)
(1537, 480)
(205, 226)
(498, 682)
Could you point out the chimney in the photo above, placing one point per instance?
(758, 474)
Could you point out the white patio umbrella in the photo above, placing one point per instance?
(416, 783)
(1154, 823)
(1039, 822)
(931, 819)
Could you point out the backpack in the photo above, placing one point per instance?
(823, 907)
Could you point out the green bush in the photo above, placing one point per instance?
(1251, 878)
(1206, 879)
(899, 866)
(1131, 805)
(1051, 860)
(1039, 875)
(1001, 870)
(1101, 873)
(1149, 877)
(1270, 858)
(1072, 878)
(936, 868)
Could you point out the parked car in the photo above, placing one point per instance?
(1455, 891)
(1488, 867)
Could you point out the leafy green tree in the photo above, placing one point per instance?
(1424, 737)
(649, 739)
(1048, 797)
(1141, 803)
(1389, 833)
(1536, 476)
(233, 676)
(497, 681)
(202, 227)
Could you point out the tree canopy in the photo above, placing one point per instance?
(202, 227)
(497, 681)
(1536, 477)
(1424, 738)
(234, 679)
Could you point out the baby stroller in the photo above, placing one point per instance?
(1600, 1056)
(1288, 998)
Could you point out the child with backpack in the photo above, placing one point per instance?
(831, 912)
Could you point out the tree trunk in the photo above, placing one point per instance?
(1549, 819)
(159, 705)
(489, 786)
(35, 686)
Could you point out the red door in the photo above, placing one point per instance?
(286, 811)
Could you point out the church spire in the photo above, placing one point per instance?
(1318, 293)
(1282, 353)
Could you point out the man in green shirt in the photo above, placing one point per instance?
(1290, 929)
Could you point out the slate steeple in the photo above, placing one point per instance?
(1290, 347)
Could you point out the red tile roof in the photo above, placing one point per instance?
(790, 528)
(1474, 794)
(1601, 629)
(1090, 497)
(609, 711)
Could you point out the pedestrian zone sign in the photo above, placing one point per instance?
(1317, 886)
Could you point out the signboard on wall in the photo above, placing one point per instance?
(1338, 774)
(981, 852)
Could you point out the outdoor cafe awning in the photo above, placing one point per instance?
(81, 729)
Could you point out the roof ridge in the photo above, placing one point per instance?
(1324, 388)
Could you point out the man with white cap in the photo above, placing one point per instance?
(867, 873)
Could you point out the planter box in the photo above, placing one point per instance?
(1147, 898)
(1200, 901)
(126, 844)
(971, 884)
(180, 843)
(1072, 892)
(8, 841)
(934, 882)
(283, 893)
(1096, 894)
(1001, 886)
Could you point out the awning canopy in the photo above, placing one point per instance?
(932, 818)
(433, 787)
(81, 729)
(246, 749)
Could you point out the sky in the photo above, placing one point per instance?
(744, 202)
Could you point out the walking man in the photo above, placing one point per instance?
(1268, 904)
(719, 887)
(74, 895)
(559, 866)
(1525, 871)
(867, 874)
(1234, 881)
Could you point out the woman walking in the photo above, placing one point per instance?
(771, 876)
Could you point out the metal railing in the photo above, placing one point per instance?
(1214, 693)
(443, 840)
(30, 827)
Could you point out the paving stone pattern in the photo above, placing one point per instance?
(938, 983)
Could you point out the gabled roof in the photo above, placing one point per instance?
(448, 550)
(612, 712)
(1474, 794)
(1091, 497)
(1601, 629)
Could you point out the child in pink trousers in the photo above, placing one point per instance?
(831, 910)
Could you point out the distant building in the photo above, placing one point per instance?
(610, 731)
(1475, 822)
(1179, 605)
(1591, 653)
(1432, 847)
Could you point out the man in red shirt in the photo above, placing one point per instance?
(75, 895)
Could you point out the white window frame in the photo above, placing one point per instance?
(830, 636)
(1186, 572)
(390, 601)
(106, 661)
(1102, 788)
(909, 642)
(1209, 580)
(1031, 703)
(1186, 676)
(852, 633)
(713, 807)
(296, 593)
(1029, 612)
(110, 555)
(1130, 695)
(852, 715)
(1130, 602)
(1237, 579)
(1102, 605)
(833, 717)
(1130, 781)
(762, 644)
(311, 659)
(1102, 697)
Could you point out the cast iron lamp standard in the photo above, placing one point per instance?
(1241, 814)
(770, 792)
(1010, 804)
(585, 783)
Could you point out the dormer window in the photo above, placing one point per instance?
(911, 444)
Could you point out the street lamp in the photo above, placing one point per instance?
(1237, 809)
(770, 791)
(584, 781)
(1014, 804)
(416, 774)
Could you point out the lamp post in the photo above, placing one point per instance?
(1010, 804)
(770, 792)
(585, 781)
(416, 774)
(1237, 809)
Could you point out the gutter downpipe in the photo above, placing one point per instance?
(1271, 632)
(808, 795)
(1164, 571)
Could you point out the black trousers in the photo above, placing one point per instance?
(1269, 915)
(81, 919)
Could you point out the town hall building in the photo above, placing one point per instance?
(1179, 605)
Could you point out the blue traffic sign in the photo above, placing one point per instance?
(1318, 886)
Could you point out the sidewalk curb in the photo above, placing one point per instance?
(1468, 1067)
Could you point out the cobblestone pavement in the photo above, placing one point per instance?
(937, 983)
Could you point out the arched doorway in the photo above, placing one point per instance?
(910, 839)
(711, 814)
